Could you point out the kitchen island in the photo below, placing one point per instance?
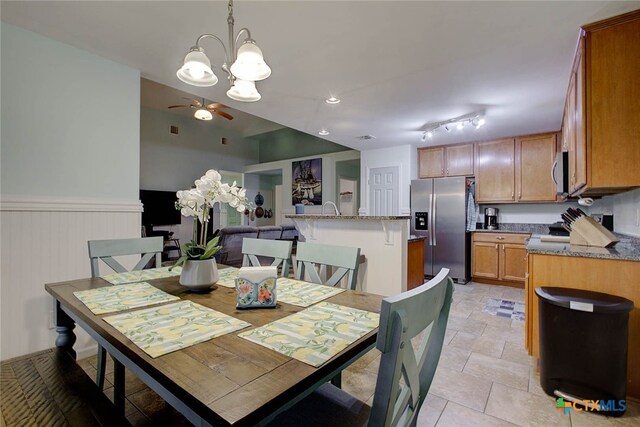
(614, 271)
(381, 239)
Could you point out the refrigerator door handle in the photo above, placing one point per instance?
(430, 225)
(433, 218)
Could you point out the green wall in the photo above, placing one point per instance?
(288, 143)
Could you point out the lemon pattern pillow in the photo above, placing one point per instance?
(316, 334)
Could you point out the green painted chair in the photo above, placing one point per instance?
(311, 256)
(148, 247)
(257, 252)
(404, 375)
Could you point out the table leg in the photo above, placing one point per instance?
(64, 327)
(118, 386)
(337, 380)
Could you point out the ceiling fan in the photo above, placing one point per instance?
(204, 112)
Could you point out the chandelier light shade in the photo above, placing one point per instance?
(243, 66)
(250, 64)
(203, 114)
(196, 70)
(244, 91)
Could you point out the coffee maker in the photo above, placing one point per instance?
(491, 218)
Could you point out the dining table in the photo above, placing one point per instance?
(224, 381)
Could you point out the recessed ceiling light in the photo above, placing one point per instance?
(332, 100)
(323, 132)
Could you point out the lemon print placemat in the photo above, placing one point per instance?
(316, 334)
(227, 277)
(161, 330)
(124, 297)
(303, 294)
(141, 275)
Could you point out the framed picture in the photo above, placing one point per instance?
(306, 182)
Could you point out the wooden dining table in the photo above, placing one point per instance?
(225, 381)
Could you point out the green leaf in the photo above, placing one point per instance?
(210, 252)
(180, 261)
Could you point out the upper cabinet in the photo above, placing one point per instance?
(454, 160)
(601, 123)
(516, 170)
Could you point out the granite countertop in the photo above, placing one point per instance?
(350, 217)
(416, 238)
(628, 248)
(518, 228)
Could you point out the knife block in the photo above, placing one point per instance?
(585, 231)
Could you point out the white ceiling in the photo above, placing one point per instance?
(396, 65)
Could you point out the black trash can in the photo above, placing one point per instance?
(583, 346)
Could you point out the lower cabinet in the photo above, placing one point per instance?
(499, 258)
(415, 267)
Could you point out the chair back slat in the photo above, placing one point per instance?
(105, 250)
(278, 250)
(345, 260)
(405, 375)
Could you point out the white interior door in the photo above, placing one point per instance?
(383, 193)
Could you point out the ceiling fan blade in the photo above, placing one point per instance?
(223, 114)
(194, 102)
(179, 106)
(216, 105)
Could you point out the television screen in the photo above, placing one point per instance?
(159, 207)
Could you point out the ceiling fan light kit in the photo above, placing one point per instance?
(247, 64)
(203, 114)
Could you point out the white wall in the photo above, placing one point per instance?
(328, 178)
(70, 167)
(404, 157)
(171, 162)
(625, 208)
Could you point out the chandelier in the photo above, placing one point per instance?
(243, 66)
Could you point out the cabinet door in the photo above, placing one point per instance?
(513, 262)
(495, 171)
(536, 156)
(579, 126)
(459, 160)
(485, 260)
(431, 162)
(570, 131)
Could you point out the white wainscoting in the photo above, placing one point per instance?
(44, 242)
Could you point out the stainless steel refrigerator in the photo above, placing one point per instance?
(438, 212)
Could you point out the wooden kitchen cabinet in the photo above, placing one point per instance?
(454, 160)
(535, 155)
(516, 170)
(415, 263)
(495, 171)
(602, 114)
(499, 258)
(610, 276)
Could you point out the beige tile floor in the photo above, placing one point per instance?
(485, 377)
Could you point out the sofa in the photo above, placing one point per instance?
(231, 240)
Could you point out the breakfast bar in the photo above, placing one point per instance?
(382, 239)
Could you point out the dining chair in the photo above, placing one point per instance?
(277, 252)
(105, 250)
(311, 256)
(418, 316)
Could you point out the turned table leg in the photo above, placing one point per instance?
(64, 327)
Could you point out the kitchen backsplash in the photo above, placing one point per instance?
(528, 213)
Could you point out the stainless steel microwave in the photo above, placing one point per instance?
(560, 173)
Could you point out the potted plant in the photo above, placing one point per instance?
(199, 271)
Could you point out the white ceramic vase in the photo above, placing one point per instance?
(199, 275)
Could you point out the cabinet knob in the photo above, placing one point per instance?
(519, 195)
(447, 171)
(442, 171)
(512, 194)
(500, 238)
(496, 246)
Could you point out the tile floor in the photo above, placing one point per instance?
(485, 377)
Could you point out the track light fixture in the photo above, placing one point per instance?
(476, 120)
(243, 66)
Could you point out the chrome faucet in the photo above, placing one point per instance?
(337, 212)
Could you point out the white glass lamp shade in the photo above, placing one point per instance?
(244, 91)
(196, 70)
(250, 64)
(203, 114)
